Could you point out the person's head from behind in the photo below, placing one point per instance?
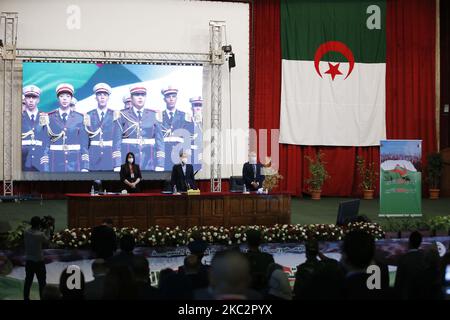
(198, 246)
(108, 222)
(278, 282)
(99, 268)
(191, 264)
(127, 243)
(35, 223)
(71, 283)
(120, 284)
(229, 273)
(141, 269)
(415, 240)
(358, 250)
(311, 249)
(130, 158)
(164, 274)
(254, 239)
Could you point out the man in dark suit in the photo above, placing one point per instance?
(125, 256)
(94, 289)
(251, 173)
(410, 270)
(183, 174)
(258, 261)
(103, 240)
(141, 271)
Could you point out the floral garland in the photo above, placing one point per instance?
(172, 237)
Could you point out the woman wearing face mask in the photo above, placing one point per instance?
(183, 174)
(130, 174)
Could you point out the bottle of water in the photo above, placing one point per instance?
(175, 190)
(92, 190)
(244, 190)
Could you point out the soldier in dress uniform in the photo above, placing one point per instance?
(32, 133)
(126, 101)
(196, 131)
(141, 132)
(175, 128)
(67, 143)
(103, 132)
(73, 104)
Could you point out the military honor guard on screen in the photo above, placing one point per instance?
(33, 136)
(67, 144)
(196, 131)
(104, 132)
(126, 99)
(175, 127)
(141, 132)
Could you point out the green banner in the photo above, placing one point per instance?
(400, 178)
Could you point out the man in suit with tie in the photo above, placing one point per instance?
(183, 174)
(103, 132)
(67, 142)
(175, 126)
(32, 132)
(251, 173)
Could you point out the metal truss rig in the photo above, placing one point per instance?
(8, 23)
(112, 56)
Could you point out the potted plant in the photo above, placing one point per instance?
(271, 176)
(440, 226)
(318, 175)
(368, 175)
(434, 174)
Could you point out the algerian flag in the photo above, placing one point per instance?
(333, 72)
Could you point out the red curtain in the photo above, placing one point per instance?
(410, 92)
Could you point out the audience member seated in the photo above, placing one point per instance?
(410, 269)
(229, 278)
(70, 287)
(319, 277)
(51, 292)
(259, 261)
(94, 289)
(174, 286)
(103, 240)
(198, 248)
(120, 284)
(125, 256)
(278, 284)
(141, 270)
(358, 251)
(193, 272)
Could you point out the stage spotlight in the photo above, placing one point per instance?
(231, 61)
(227, 48)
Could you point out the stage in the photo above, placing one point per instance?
(303, 210)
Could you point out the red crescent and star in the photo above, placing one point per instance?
(333, 69)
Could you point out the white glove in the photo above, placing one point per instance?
(159, 169)
(117, 169)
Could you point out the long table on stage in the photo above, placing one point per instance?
(144, 210)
